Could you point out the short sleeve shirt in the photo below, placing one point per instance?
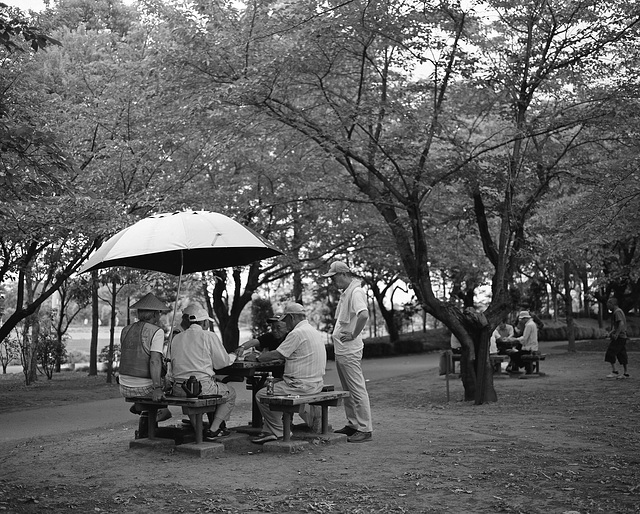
(199, 353)
(305, 356)
(353, 301)
(619, 320)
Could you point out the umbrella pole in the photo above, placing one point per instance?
(173, 320)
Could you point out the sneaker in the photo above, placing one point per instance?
(626, 375)
(359, 437)
(265, 438)
(613, 374)
(348, 431)
(210, 435)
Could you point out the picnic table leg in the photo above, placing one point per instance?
(286, 425)
(256, 384)
(153, 422)
(199, 428)
(325, 419)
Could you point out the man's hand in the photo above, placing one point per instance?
(346, 336)
(156, 395)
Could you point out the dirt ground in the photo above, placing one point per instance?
(566, 442)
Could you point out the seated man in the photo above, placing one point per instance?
(266, 342)
(501, 339)
(184, 321)
(198, 352)
(305, 362)
(142, 345)
(456, 347)
(527, 344)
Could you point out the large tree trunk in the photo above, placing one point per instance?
(228, 317)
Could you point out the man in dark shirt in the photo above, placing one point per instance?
(268, 341)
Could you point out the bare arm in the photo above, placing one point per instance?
(272, 355)
(251, 343)
(155, 367)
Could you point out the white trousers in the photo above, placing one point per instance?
(273, 419)
(356, 407)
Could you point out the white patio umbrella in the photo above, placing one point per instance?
(182, 242)
(179, 243)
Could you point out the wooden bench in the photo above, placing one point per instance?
(291, 404)
(496, 361)
(535, 359)
(190, 406)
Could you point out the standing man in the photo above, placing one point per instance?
(351, 317)
(528, 343)
(618, 340)
(198, 352)
(305, 362)
(142, 345)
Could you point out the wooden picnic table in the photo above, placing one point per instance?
(255, 373)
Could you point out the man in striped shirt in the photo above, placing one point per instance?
(305, 362)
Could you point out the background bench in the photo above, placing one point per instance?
(190, 406)
(496, 361)
(535, 359)
(289, 405)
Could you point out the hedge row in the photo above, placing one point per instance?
(582, 333)
(439, 339)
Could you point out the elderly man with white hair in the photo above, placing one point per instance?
(305, 362)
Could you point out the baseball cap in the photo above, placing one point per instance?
(291, 308)
(192, 308)
(199, 314)
(337, 267)
(524, 314)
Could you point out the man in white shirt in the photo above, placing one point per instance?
(351, 315)
(528, 343)
(305, 362)
(198, 352)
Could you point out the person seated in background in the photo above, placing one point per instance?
(198, 352)
(456, 347)
(527, 344)
(501, 338)
(266, 342)
(305, 362)
(141, 360)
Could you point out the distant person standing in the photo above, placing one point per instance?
(618, 340)
(351, 317)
